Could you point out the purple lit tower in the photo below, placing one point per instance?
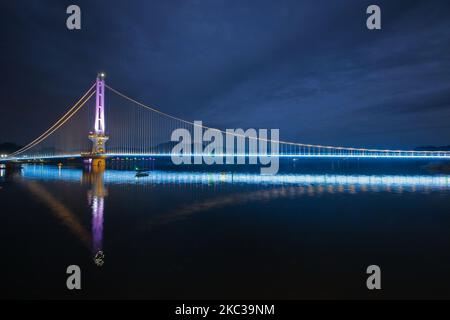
(98, 137)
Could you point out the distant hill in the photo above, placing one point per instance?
(8, 147)
(433, 148)
(167, 147)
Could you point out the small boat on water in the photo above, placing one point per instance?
(141, 174)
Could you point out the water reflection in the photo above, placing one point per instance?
(59, 209)
(95, 196)
(96, 200)
(236, 199)
(269, 188)
(282, 220)
(318, 183)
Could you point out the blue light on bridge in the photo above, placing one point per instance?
(134, 156)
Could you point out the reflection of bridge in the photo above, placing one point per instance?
(187, 179)
(230, 189)
(138, 130)
(96, 198)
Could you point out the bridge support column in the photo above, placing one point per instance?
(98, 137)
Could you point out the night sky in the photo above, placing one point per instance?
(310, 68)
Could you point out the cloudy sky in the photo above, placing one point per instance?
(310, 68)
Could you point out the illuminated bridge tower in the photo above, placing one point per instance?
(98, 137)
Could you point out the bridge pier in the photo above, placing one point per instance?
(99, 163)
(94, 162)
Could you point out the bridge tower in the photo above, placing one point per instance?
(98, 137)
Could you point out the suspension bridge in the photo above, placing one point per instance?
(125, 127)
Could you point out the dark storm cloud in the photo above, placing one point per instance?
(310, 68)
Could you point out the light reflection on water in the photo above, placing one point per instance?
(317, 183)
(60, 210)
(95, 197)
(96, 200)
(282, 186)
(292, 218)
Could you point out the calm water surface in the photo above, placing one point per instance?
(309, 232)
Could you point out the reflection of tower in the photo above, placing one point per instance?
(98, 137)
(96, 199)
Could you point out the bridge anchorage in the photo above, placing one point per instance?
(97, 157)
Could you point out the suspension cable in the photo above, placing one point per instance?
(69, 114)
(263, 139)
